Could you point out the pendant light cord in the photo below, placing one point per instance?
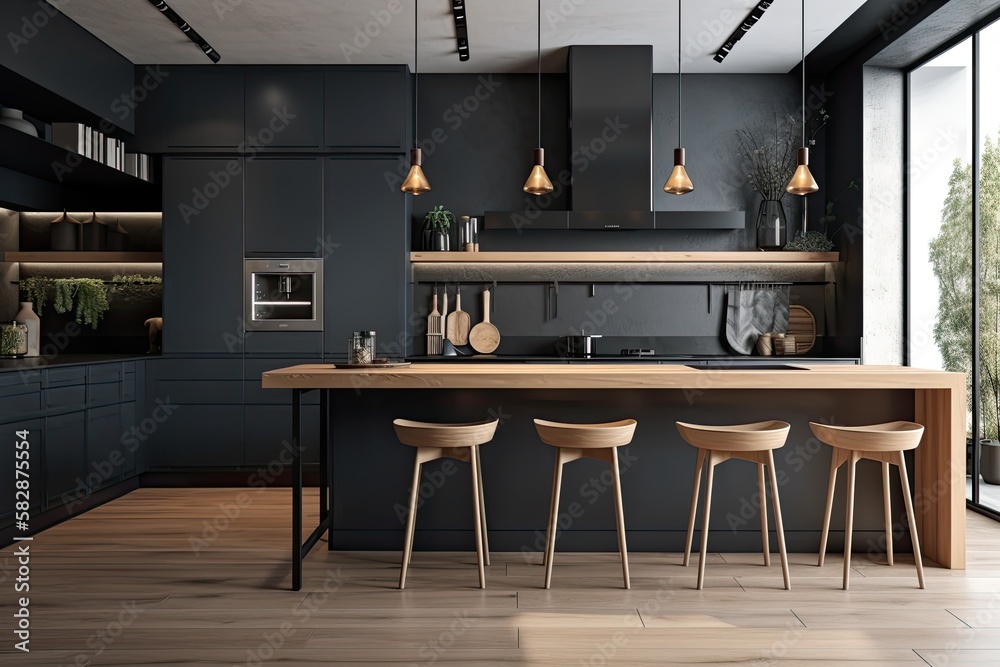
(803, 73)
(539, 73)
(416, 76)
(679, 67)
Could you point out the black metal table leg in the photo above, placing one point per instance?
(324, 454)
(296, 491)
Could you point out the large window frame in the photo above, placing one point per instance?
(975, 398)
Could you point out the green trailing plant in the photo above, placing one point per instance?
(36, 289)
(90, 296)
(133, 280)
(439, 219)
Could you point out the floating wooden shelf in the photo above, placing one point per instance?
(777, 257)
(82, 256)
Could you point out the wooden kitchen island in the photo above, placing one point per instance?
(938, 402)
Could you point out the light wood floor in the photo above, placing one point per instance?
(122, 585)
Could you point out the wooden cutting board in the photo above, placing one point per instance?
(802, 325)
(484, 337)
(457, 326)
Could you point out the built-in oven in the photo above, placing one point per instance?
(284, 294)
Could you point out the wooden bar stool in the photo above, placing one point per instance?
(750, 442)
(577, 441)
(457, 441)
(879, 442)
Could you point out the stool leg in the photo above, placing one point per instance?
(550, 541)
(834, 465)
(888, 512)
(763, 514)
(620, 516)
(482, 505)
(852, 464)
(779, 528)
(694, 506)
(411, 520)
(704, 524)
(478, 517)
(904, 480)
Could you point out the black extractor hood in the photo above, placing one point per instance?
(611, 139)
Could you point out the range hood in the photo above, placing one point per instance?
(611, 140)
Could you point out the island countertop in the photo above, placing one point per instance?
(938, 399)
(611, 376)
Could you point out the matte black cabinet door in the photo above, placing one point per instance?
(203, 247)
(269, 435)
(105, 453)
(365, 274)
(284, 206)
(284, 109)
(366, 110)
(190, 107)
(65, 457)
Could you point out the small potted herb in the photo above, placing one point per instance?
(437, 224)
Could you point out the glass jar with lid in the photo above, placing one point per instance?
(361, 348)
(13, 340)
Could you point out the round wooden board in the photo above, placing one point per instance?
(802, 325)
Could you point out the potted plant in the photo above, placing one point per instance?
(768, 157)
(437, 224)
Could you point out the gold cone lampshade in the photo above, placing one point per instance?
(678, 183)
(538, 182)
(416, 183)
(802, 182)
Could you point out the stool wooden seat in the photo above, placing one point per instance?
(879, 442)
(457, 441)
(577, 441)
(749, 442)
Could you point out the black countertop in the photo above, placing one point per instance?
(30, 363)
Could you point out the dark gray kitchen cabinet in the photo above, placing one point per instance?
(105, 452)
(284, 109)
(366, 110)
(65, 457)
(365, 274)
(269, 435)
(189, 108)
(199, 436)
(203, 239)
(284, 206)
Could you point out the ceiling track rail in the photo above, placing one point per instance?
(184, 27)
(461, 28)
(749, 22)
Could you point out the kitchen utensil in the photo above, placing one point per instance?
(583, 346)
(765, 346)
(789, 345)
(444, 310)
(434, 336)
(778, 341)
(485, 337)
(458, 322)
(802, 325)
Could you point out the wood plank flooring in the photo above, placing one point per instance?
(130, 584)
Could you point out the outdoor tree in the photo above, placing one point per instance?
(951, 257)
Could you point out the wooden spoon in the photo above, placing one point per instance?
(458, 322)
(484, 337)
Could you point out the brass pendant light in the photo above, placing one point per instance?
(678, 183)
(415, 183)
(538, 182)
(802, 182)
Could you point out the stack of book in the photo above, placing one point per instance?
(95, 145)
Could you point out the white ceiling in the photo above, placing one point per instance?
(502, 33)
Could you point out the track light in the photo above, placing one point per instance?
(184, 27)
